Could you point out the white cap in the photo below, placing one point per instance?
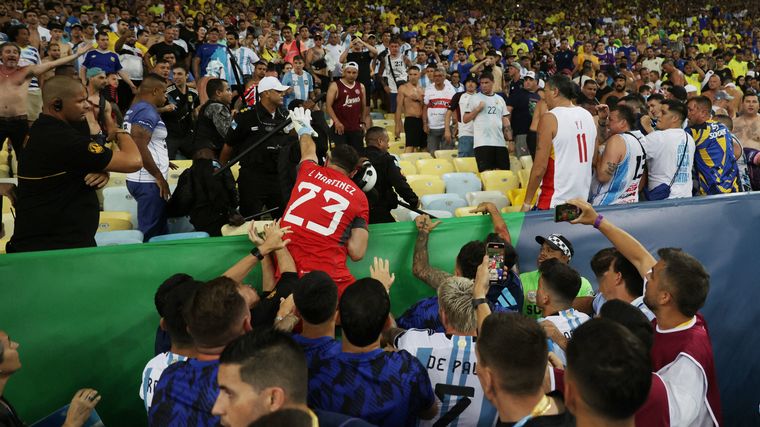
(690, 89)
(530, 75)
(271, 83)
(351, 64)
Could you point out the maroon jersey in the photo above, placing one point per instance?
(325, 206)
(693, 342)
(655, 412)
(348, 106)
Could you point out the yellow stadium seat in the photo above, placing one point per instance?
(466, 164)
(117, 179)
(517, 197)
(396, 147)
(183, 164)
(407, 167)
(174, 174)
(5, 171)
(9, 223)
(113, 221)
(526, 162)
(6, 205)
(499, 180)
(235, 169)
(426, 184)
(413, 157)
(434, 167)
(524, 176)
(514, 164)
(465, 211)
(510, 209)
(445, 154)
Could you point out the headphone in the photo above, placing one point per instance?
(58, 105)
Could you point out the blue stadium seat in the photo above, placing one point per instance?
(119, 237)
(461, 183)
(118, 199)
(443, 202)
(437, 214)
(179, 236)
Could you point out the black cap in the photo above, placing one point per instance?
(557, 242)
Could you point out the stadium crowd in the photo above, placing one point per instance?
(611, 102)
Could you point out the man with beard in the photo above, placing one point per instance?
(618, 91)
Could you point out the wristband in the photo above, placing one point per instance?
(477, 301)
(598, 221)
(257, 253)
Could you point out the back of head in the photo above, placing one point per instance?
(470, 257)
(290, 417)
(725, 120)
(524, 340)
(364, 308)
(316, 297)
(602, 260)
(610, 368)
(345, 157)
(60, 87)
(213, 86)
(686, 279)
(215, 313)
(373, 135)
(173, 309)
(703, 103)
(151, 82)
(625, 113)
(561, 280)
(165, 288)
(634, 283)
(270, 358)
(563, 84)
(631, 317)
(455, 300)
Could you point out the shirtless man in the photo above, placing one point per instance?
(96, 82)
(747, 125)
(410, 98)
(14, 88)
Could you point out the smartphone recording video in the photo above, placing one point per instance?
(495, 252)
(566, 212)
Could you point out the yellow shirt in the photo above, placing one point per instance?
(738, 68)
(112, 39)
(693, 79)
(518, 46)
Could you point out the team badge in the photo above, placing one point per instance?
(95, 148)
(532, 296)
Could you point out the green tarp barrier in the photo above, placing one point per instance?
(86, 318)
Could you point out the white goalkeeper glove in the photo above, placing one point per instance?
(301, 119)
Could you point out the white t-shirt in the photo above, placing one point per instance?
(450, 361)
(465, 129)
(487, 125)
(566, 321)
(664, 150)
(333, 52)
(132, 63)
(399, 71)
(438, 102)
(152, 373)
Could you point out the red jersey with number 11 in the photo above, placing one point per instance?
(324, 207)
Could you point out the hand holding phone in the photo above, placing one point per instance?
(566, 212)
(495, 253)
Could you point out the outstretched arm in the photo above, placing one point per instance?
(273, 241)
(499, 226)
(43, 68)
(421, 267)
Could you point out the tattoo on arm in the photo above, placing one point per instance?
(612, 167)
(421, 264)
(388, 337)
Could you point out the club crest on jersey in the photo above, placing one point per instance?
(532, 296)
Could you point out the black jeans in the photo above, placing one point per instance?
(352, 138)
(15, 129)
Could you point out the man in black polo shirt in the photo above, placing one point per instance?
(521, 105)
(60, 166)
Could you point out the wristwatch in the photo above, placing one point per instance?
(477, 301)
(257, 253)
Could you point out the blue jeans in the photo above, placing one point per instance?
(151, 209)
(466, 146)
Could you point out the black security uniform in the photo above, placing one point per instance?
(258, 182)
(180, 123)
(55, 208)
(389, 178)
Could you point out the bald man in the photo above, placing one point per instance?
(61, 165)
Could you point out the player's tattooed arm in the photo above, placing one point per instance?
(388, 338)
(421, 267)
(612, 167)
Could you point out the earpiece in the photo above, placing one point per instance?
(58, 105)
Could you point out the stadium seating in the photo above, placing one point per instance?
(119, 199)
(496, 197)
(517, 197)
(407, 167)
(434, 166)
(526, 162)
(465, 211)
(461, 183)
(401, 214)
(120, 237)
(117, 179)
(178, 236)
(445, 154)
(442, 202)
(514, 164)
(524, 176)
(235, 169)
(242, 230)
(511, 209)
(499, 180)
(5, 171)
(413, 157)
(180, 225)
(396, 147)
(426, 184)
(6, 205)
(466, 164)
(113, 221)
(175, 173)
(432, 213)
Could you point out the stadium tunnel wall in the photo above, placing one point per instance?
(86, 318)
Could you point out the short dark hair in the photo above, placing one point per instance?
(703, 102)
(631, 317)
(291, 417)
(677, 107)
(590, 81)
(269, 358)
(316, 297)
(101, 34)
(686, 279)
(214, 311)
(364, 309)
(749, 93)
(611, 368)
(213, 86)
(345, 157)
(601, 261)
(656, 97)
(522, 373)
(626, 113)
(374, 133)
(298, 58)
(487, 76)
(563, 84)
(165, 288)
(561, 280)
(470, 256)
(178, 66)
(173, 309)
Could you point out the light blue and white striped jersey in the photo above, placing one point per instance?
(152, 373)
(488, 130)
(30, 56)
(623, 187)
(599, 301)
(302, 85)
(245, 58)
(566, 321)
(452, 367)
